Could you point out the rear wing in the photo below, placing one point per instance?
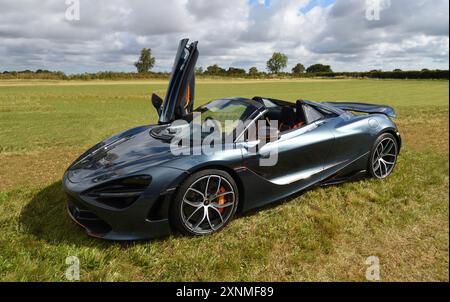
(366, 108)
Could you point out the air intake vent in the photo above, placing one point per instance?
(120, 193)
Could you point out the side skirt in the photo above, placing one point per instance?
(337, 179)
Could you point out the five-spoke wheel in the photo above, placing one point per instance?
(383, 156)
(205, 202)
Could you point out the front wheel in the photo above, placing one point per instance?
(383, 156)
(204, 203)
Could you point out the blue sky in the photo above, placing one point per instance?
(304, 9)
(313, 3)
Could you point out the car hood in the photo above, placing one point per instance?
(120, 155)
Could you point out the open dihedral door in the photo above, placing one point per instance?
(179, 100)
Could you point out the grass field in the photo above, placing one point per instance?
(324, 234)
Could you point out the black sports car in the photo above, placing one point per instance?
(134, 186)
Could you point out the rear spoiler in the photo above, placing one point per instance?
(366, 108)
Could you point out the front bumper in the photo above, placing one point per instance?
(146, 218)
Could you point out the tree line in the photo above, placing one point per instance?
(278, 62)
(109, 75)
(275, 67)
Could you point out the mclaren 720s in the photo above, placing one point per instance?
(134, 186)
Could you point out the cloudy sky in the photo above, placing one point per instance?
(347, 34)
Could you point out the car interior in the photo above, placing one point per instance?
(289, 116)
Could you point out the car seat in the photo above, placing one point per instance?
(287, 118)
(299, 114)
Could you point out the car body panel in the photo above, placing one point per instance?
(133, 222)
(301, 156)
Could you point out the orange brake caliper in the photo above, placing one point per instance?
(221, 198)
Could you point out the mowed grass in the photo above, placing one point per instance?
(324, 234)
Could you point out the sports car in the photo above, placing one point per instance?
(134, 186)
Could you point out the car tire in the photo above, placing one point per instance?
(204, 203)
(383, 156)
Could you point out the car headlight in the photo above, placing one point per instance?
(120, 193)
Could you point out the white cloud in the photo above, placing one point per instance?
(110, 33)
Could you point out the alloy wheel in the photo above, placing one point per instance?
(207, 204)
(384, 157)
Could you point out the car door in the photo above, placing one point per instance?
(354, 138)
(179, 99)
(301, 154)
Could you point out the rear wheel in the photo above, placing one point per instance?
(204, 203)
(383, 156)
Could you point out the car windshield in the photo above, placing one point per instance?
(227, 113)
(222, 116)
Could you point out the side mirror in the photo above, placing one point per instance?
(157, 102)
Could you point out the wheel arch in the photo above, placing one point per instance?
(395, 134)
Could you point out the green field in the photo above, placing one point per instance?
(324, 234)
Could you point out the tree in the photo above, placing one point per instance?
(253, 71)
(298, 69)
(146, 61)
(277, 62)
(397, 70)
(233, 71)
(215, 70)
(316, 68)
